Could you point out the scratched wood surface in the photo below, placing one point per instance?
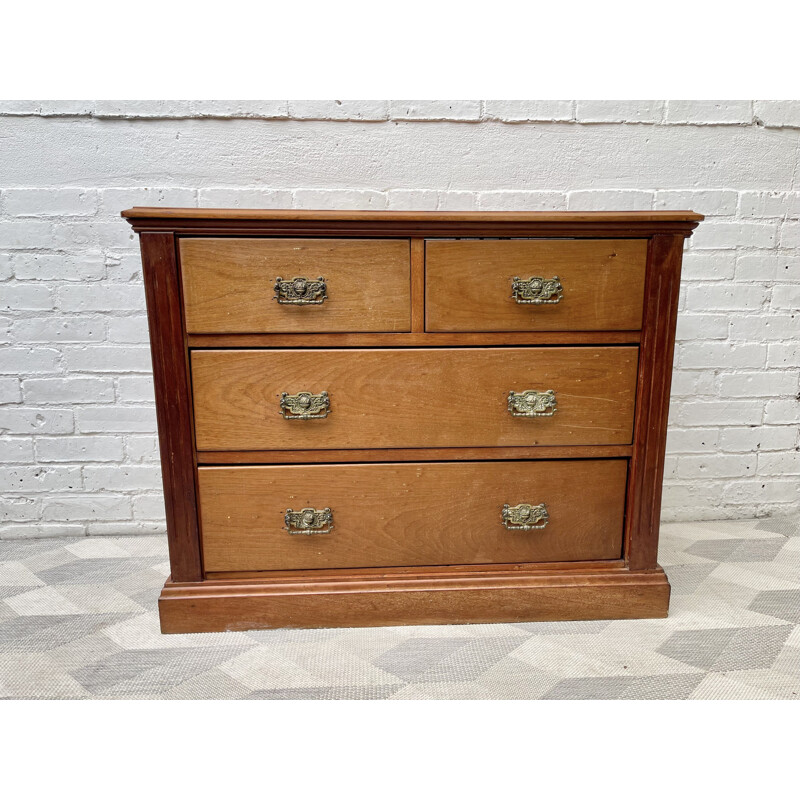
(436, 599)
(468, 284)
(228, 285)
(410, 513)
(413, 398)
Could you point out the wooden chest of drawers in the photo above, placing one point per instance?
(386, 418)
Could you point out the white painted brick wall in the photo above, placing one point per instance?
(620, 110)
(78, 450)
(530, 110)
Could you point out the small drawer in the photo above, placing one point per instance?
(381, 515)
(272, 285)
(534, 284)
(406, 398)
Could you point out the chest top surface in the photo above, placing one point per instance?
(413, 223)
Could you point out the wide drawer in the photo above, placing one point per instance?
(229, 285)
(411, 514)
(469, 284)
(405, 398)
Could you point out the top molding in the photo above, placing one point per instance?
(218, 221)
(140, 212)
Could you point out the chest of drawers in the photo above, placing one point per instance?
(388, 418)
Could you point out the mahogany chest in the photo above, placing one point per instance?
(389, 418)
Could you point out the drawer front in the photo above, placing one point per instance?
(229, 285)
(469, 284)
(413, 397)
(411, 514)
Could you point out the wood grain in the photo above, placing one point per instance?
(453, 571)
(414, 339)
(229, 284)
(418, 286)
(435, 599)
(385, 224)
(652, 403)
(410, 513)
(298, 215)
(412, 454)
(412, 398)
(468, 284)
(173, 403)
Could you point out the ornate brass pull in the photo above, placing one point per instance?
(305, 405)
(525, 517)
(301, 291)
(537, 291)
(308, 521)
(531, 403)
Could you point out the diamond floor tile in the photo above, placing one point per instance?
(78, 620)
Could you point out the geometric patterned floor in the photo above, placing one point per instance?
(78, 620)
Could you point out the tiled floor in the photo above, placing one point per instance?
(78, 620)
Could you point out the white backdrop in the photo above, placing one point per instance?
(78, 451)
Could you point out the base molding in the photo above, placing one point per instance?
(435, 597)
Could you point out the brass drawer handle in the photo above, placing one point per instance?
(301, 291)
(308, 521)
(525, 517)
(305, 405)
(537, 291)
(531, 403)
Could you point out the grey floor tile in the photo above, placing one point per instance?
(16, 628)
(752, 648)
(49, 633)
(700, 648)
(733, 633)
(213, 684)
(512, 679)
(738, 549)
(713, 549)
(687, 578)
(414, 657)
(785, 526)
(663, 687)
(327, 693)
(95, 570)
(780, 603)
(295, 635)
(21, 548)
(755, 550)
(470, 661)
(13, 591)
(83, 651)
(171, 672)
(49, 559)
(611, 688)
(35, 676)
(122, 665)
(788, 663)
(560, 628)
